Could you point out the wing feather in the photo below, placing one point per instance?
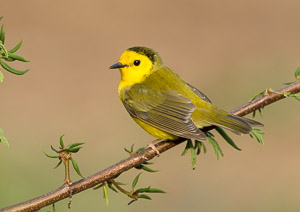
(199, 93)
(168, 111)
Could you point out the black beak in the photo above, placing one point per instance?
(117, 65)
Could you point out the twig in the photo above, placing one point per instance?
(266, 99)
(138, 159)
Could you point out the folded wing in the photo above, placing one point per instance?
(168, 111)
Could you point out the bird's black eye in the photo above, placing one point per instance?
(137, 62)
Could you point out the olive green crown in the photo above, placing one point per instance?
(150, 53)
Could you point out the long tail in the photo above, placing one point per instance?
(236, 124)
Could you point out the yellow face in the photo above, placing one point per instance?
(136, 67)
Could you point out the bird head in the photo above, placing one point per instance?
(137, 63)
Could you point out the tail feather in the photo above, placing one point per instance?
(233, 123)
(236, 124)
(253, 123)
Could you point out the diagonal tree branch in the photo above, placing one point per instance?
(138, 159)
(269, 97)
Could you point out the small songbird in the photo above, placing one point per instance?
(165, 105)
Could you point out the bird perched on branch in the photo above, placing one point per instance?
(165, 105)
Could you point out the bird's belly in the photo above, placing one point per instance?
(154, 131)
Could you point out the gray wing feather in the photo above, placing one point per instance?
(199, 93)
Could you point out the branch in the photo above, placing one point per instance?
(268, 98)
(66, 191)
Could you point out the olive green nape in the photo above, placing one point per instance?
(150, 53)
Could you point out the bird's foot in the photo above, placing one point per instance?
(152, 146)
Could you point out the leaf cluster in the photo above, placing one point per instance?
(9, 56)
(270, 90)
(64, 153)
(134, 194)
(197, 147)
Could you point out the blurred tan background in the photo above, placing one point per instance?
(230, 50)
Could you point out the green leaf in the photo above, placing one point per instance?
(254, 112)
(110, 185)
(135, 181)
(147, 169)
(5, 53)
(297, 73)
(126, 150)
(55, 150)
(227, 138)
(58, 164)
(75, 145)
(189, 146)
(296, 96)
(155, 190)
(12, 70)
(1, 77)
(186, 148)
(9, 59)
(74, 150)
(61, 142)
(257, 95)
(141, 190)
(17, 57)
(1, 18)
(148, 190)
(75, 166)
(215, 145)
(51, 156)
(204, 147)
(3, 139)
(200, 145)
(132, 201)
(120, 183)
(105, 193)
(257, 134)
(16, 48)
(193, 154)
(131, 148)
(144, 196)
(2, 34)
(99, 186)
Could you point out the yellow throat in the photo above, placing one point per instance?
(136, 67)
